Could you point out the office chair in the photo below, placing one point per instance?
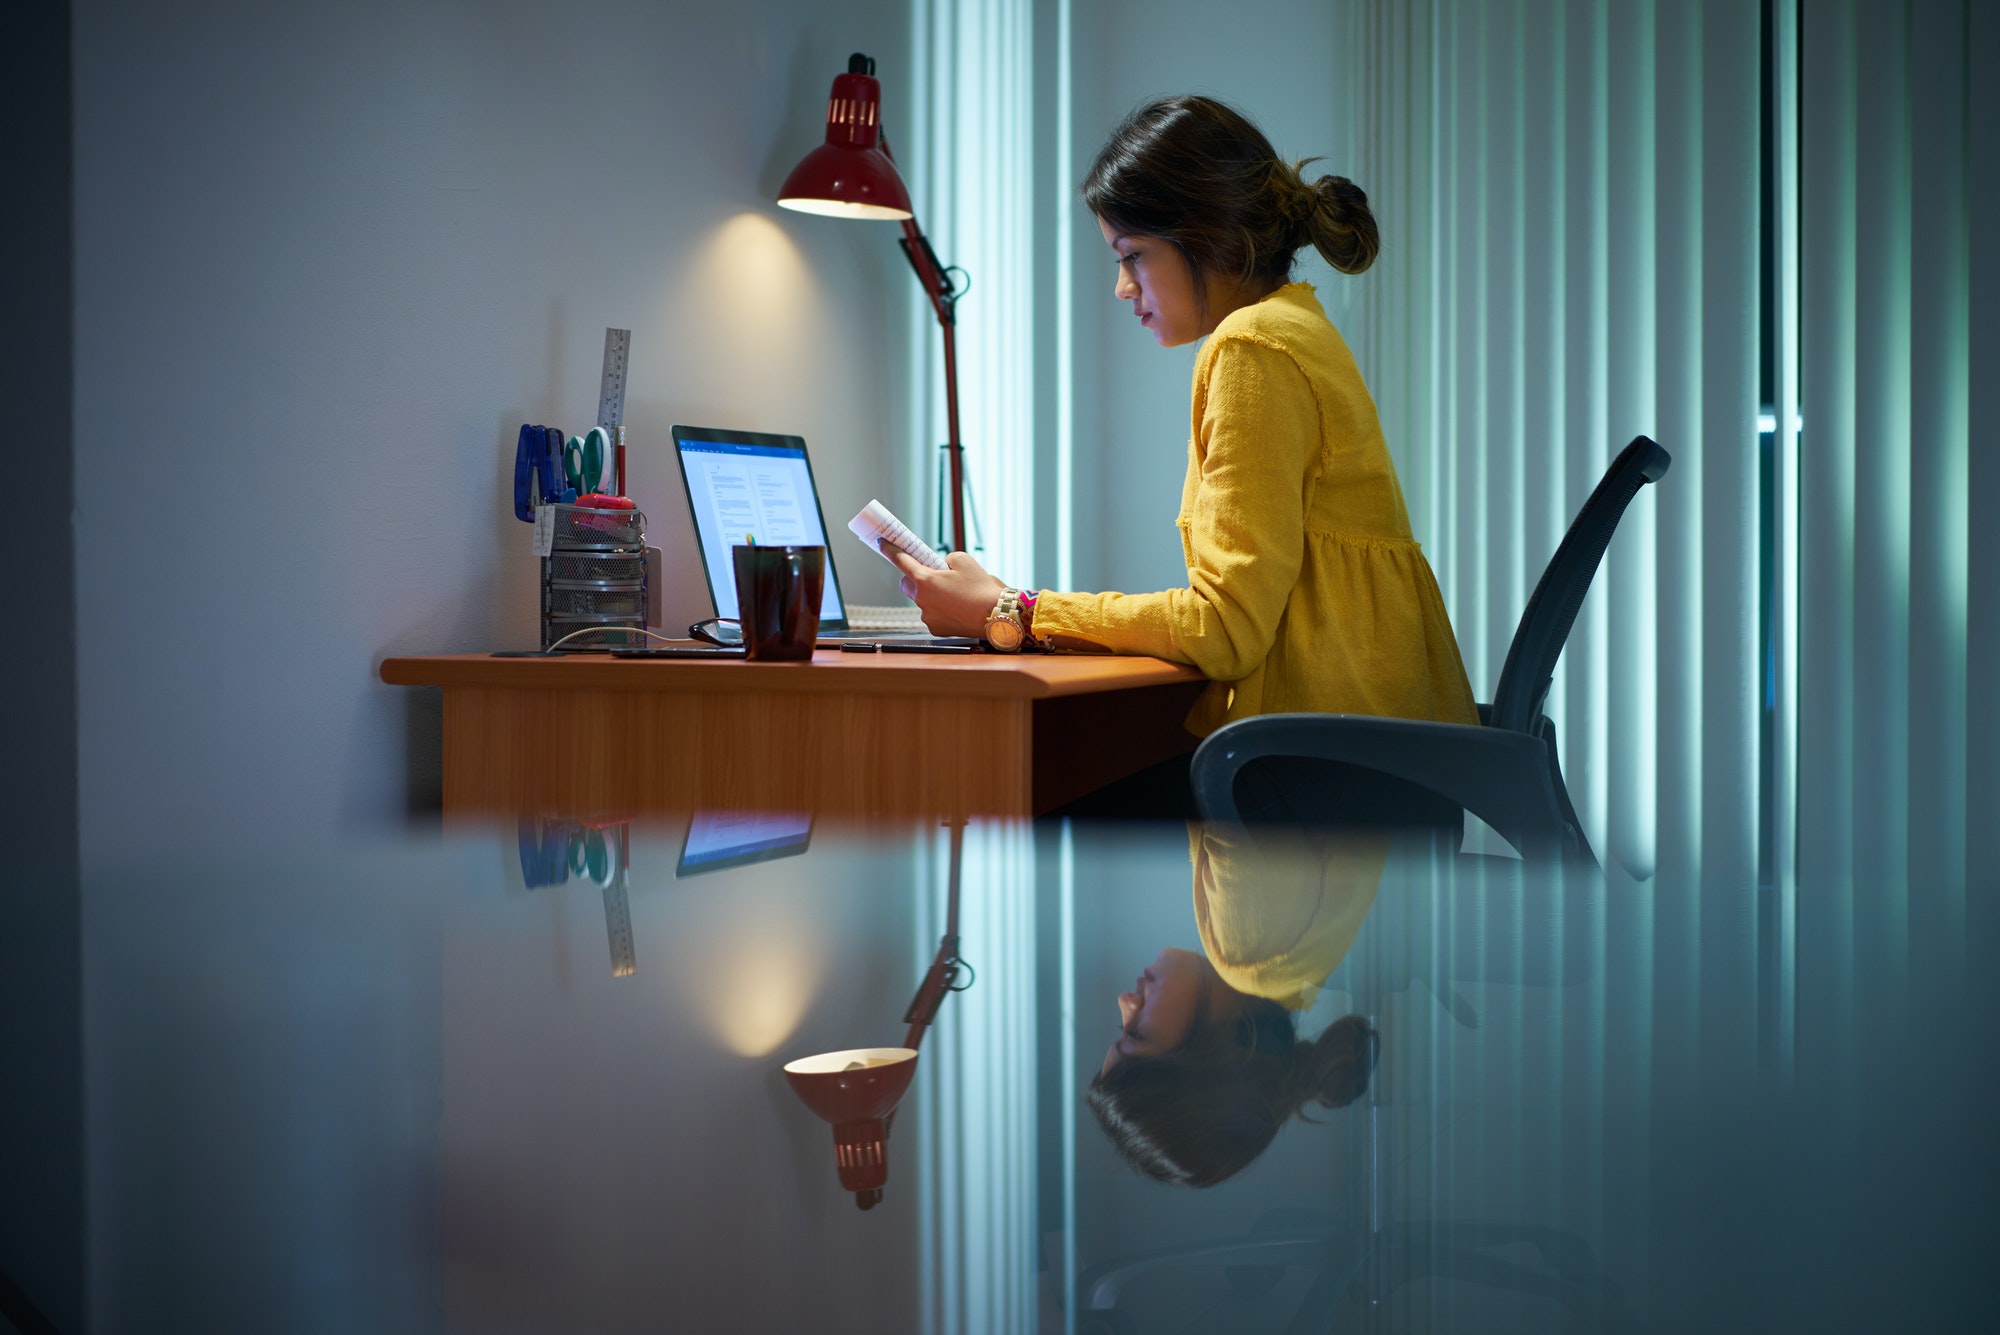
(1504, 771)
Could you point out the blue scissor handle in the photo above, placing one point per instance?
(540, 461)
(544, 855)
(527, 449)
(549, 469)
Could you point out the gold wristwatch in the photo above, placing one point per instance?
(1006, 628)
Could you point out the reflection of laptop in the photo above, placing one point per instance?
(747, 483)
(718, 839)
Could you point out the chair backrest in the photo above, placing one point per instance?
(1538, 640)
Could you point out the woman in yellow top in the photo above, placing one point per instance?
(1305, 589)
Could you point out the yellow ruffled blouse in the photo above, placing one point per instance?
(1305, 591)
(1279, 911)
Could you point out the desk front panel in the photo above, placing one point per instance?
(619, 751)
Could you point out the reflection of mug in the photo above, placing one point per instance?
(777, 600)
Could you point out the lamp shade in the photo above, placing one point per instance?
(855, 1090)
(849, 176)
(853, 1085)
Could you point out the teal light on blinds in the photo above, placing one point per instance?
(972, 174)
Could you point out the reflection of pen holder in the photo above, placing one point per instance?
(594, 579)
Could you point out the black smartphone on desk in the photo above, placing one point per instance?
(937, 646)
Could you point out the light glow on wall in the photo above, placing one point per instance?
(754, 990)
(755, 297)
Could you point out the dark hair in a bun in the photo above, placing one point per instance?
(1343, 226)
(1197, 173)
(1200, 1114)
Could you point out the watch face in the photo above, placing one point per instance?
(1004, 635)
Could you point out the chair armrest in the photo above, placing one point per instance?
(1499, 775)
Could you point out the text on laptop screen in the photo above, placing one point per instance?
(717, 839)
(746, 490)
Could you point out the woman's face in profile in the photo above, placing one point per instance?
(1157, 1015)
(1154, 276)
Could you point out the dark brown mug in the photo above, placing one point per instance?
(777, 600)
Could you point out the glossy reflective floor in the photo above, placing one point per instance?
(531, 1079)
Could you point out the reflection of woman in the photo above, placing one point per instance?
(1208, 1064)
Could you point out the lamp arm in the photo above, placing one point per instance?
(937, 285)
(943, 973)
(938, 981)
(931, 272)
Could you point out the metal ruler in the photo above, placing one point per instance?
(618, 926)
(611, 394)
(611, 400)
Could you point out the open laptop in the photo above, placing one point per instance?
(744, 483)
(719, 839)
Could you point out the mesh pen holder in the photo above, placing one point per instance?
(579, 528)
(594, 580)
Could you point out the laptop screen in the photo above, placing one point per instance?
(718, 839)
(743, 485)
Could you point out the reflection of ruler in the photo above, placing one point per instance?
(618, 926)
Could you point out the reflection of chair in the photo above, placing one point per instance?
(1254, 1262)
(1362, 1270)
(1505, 772)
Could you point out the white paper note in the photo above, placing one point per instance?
(876, 526)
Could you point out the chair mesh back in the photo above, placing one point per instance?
(1538, 640)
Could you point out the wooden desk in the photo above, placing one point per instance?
(856, 735)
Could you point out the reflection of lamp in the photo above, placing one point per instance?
(849, 176)
(858, 1090)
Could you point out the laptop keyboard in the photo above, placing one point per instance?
(902, 617)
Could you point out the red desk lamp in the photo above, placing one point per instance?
(857, 1090)
(853, 175)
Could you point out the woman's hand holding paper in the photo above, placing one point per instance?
(955, 601)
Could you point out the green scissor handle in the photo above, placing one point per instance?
(583, 460)
(590, 856)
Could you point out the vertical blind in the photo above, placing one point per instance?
(970, 171)
(1569, 196)
(971, 1115)
(1897, 616)
(1573, 245)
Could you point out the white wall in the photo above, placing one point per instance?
(396, 1090)
(1275, 60)
(328, 258)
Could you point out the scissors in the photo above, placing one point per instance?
(583, 460)
(536, 472)
(589, 855)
